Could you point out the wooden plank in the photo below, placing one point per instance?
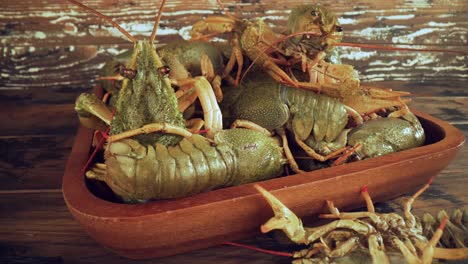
(19, 120)
(48, 75)
(56, 75)
(39, 226)
(59, 23)
(36, 226)
(418, 89)
(451, 109)
(49, 55)
(33, 162)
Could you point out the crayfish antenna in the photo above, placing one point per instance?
(156, 22)
(106, 18)
(428, 251)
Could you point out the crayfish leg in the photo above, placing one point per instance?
(236, 58)
(208, 71)
(92, 112)
(287, 152)
(377, 249)
(151, 128)
(312, 153)
(278, 74)
(368, 199)
(251, 125)
(343, 248)
(200, 87)
(194, 125)
(97, 172)
(406, 252)
(450, 253)
(409, 217)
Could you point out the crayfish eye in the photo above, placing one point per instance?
(338, 29)
(314, 13)
(164, 70)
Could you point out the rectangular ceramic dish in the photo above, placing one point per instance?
(164, 228)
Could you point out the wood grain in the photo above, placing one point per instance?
(33, 162)
(66, 46)
(59, 74)
(54, 22)
(43, 227)
(50, 51)
(38, 119)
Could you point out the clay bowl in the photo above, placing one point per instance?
(170, 227)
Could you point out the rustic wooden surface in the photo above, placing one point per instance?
(51, 51)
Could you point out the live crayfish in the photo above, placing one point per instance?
(194, 67)
(318, 123)
(370, 237)
(314, 32)
(150, 154)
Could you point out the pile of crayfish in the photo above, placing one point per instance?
(162, 143)
(371, 237)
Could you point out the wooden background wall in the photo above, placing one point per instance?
(50, 51)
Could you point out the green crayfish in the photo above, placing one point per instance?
(318, 122)
(150, 155)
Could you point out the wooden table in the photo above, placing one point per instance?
(51, 52)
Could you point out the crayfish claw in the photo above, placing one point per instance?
(284, 218)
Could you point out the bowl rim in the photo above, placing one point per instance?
(80, 199)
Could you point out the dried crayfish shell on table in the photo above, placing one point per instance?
(456, 230)
(149, 153)
(363, 237)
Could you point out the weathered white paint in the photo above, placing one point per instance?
(410, 37)
(184, 32)
(356, 54)
(421, 59)
(396, 17)
(354, 13)
(438, 24)
(347, 21)
(64, 18)
(70, 28)
(378, 32)
(114, 51)
(383, 63)
(39, 35)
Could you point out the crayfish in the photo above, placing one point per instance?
(319, 123)
(311, 35)
(362, 237)
(149, 152)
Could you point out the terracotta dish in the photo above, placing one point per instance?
(169, 227)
